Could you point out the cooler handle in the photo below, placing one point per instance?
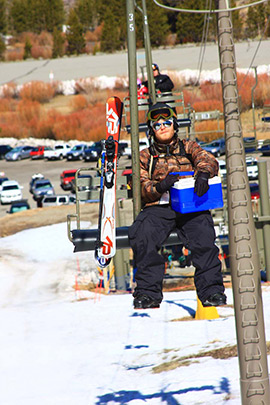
(183, 173)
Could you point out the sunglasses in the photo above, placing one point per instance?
(166, 124)
(164, 113)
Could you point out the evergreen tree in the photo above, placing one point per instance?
(117, 11)
(58, 44)
(158, 25)
(189, 27)
(85, 12)
(19, 16)
(27, 49)
(237, 21)
(55, 14)
(255, 20)
(76, 42)
(110, 33)
(36, 15)
(3, 17)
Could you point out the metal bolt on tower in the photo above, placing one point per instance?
(244, 256)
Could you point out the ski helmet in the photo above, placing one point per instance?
(160, 110)
(155, 67)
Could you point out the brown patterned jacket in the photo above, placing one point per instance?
(178, 156)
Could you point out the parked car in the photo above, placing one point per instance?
(92, 153)
(11, 191)
(250, 144)
(66, 178)
(58, 199)
(2, 179)
(38, 152)
(216, 147)
(222, 168)
(35, 177)
(18, 153)
(4, 149)
(122, 147)
(252, 168)
(58, 152)
(254, 191)
(41, 188)
(21, 205)
(77, 152)
(265, 149)
(142, 145)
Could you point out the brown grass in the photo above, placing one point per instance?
(222, 353)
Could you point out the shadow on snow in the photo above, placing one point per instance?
(123, 397)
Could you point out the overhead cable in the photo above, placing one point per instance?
(185, 10)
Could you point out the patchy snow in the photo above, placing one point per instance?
(63, 347)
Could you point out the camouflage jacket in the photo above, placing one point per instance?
(178, 156)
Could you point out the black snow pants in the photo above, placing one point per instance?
(196, 231)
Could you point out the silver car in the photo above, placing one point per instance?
(18, 153)
(41, 188)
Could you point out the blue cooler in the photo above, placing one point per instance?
(184, 200)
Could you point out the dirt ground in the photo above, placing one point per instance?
(38, 217)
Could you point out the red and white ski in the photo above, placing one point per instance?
(106, 243)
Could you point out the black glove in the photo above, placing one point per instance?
(201, 183)
(166, 184)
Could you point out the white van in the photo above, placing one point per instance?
(58, 199)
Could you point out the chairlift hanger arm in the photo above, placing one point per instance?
(185, 10)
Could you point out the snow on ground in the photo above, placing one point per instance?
(59, 347)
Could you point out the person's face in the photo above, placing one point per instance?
(155, 71)
(163, 132)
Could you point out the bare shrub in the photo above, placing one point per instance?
(14, 54)
(37, 91)
(262, 91)
(171, 39)
(78, 102)
(207, 131)
(208, 105)
(179, 82)
(44, 52)
(7, 104)
(28, 110)
(9, 90)
(211, 91)
(121, 83)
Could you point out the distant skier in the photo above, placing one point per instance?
(163, 83)
(142, 90)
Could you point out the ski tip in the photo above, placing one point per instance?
(102, 262)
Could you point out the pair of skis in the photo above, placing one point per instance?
(106, 241)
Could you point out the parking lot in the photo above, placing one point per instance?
(23, 170)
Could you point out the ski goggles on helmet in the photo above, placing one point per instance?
(157, 125)
(164, 113)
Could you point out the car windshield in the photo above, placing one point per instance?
(17, 149)
(253, 163)
(58, 147)
(19, 208)
(77, 147)
(69, 174)
(43, 185)
(11, 187)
